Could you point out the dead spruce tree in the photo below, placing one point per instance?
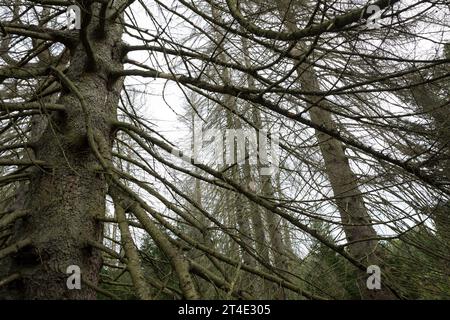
(82, 149)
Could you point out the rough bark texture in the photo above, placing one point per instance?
(61, 221)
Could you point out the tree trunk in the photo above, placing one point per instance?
(348, 198)
(65, 198)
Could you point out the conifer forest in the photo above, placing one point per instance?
(224, 150)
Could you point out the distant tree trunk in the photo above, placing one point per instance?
(430, 103)
(275, 235)
(262, 288)
(348, 198)
(239, 210)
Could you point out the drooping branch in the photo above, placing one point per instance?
(11, 217)
(9, 107)
(106, 250)
(333, 25)
(133, 262)
(15, 247)
(176, 259)
(99, 289)
(9, 279)
(218, 281)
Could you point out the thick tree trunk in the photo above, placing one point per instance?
(65, 198)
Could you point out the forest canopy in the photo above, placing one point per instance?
(224, 149)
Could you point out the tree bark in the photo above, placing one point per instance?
(65, 198)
